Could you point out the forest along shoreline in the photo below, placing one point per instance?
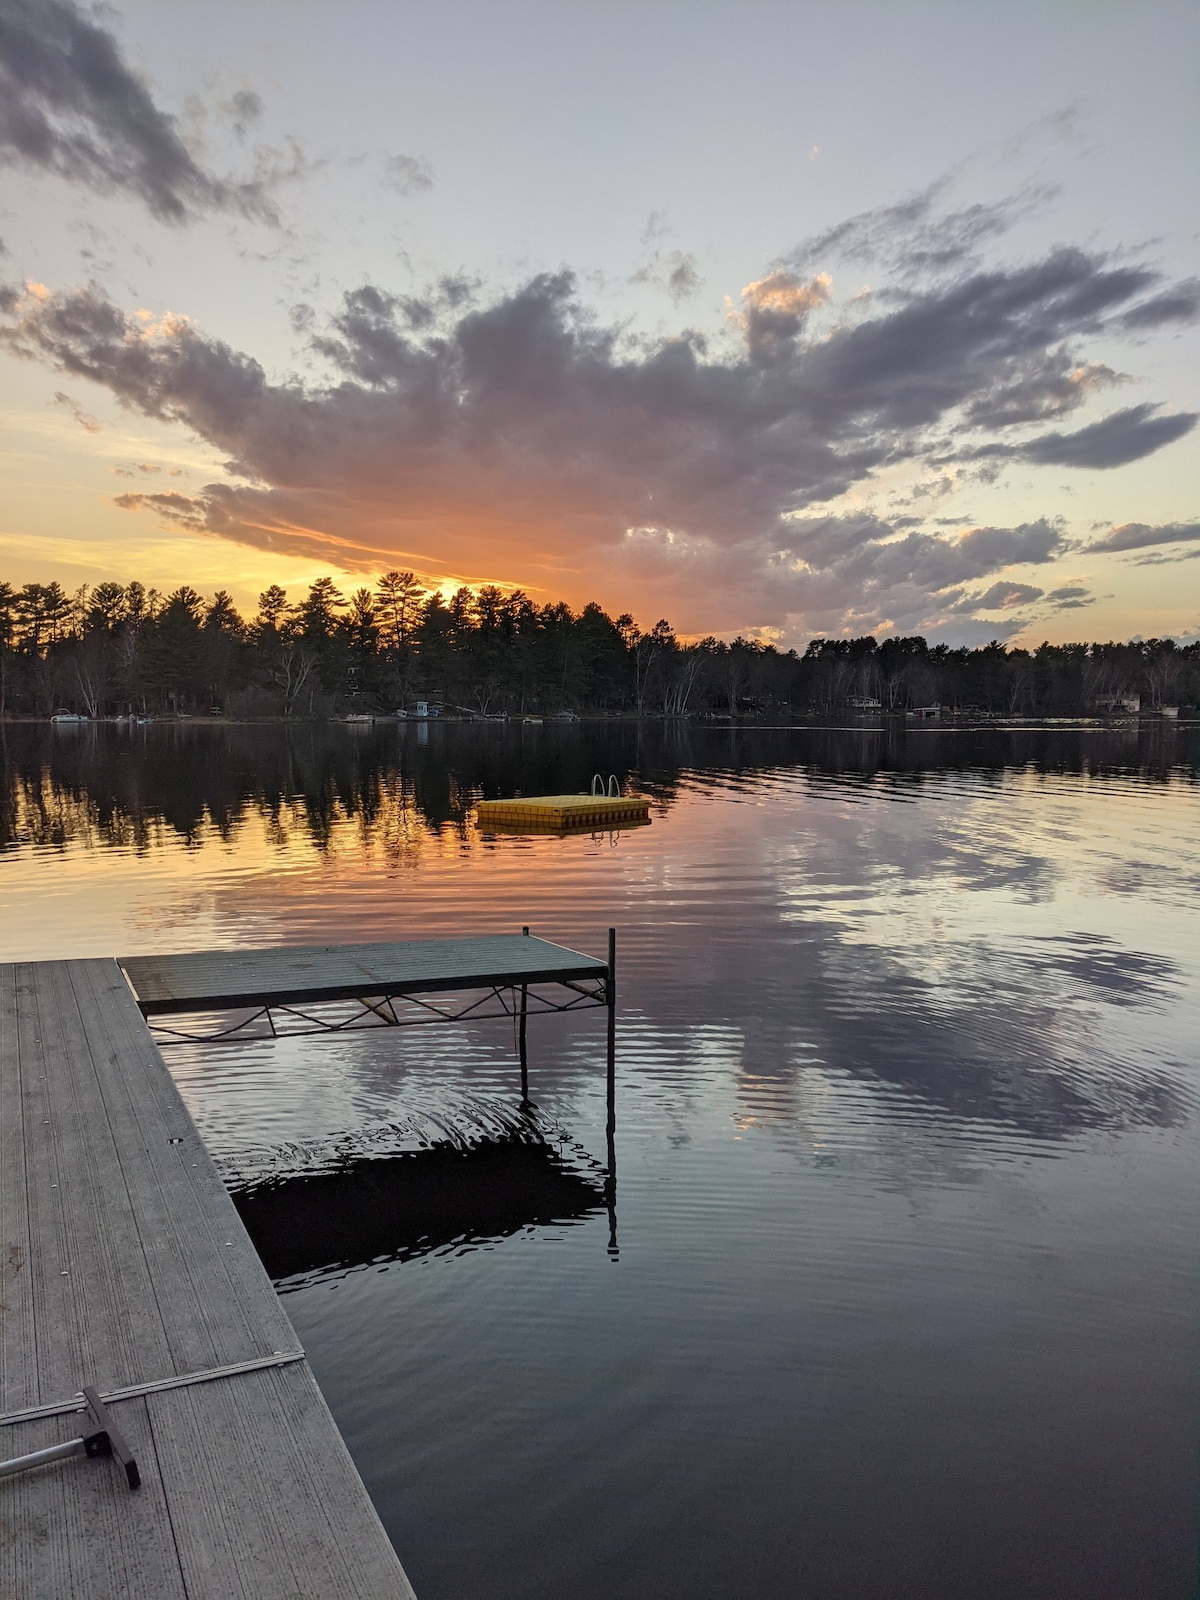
(126, 651)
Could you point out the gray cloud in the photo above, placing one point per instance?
(69, 104)
(86, 421)
(1180, 303)
(243, 109)
(1002, 596)
(683, 280)
(144, 469)
(1139, 535)
(407, 175)
(1070, 597)
(519, 434)
(1115, 440)
(775, 310)
(975, 341)
(909, 233)
(657, 227)
(916, 234)
(1161, 559)
(1042, 391)
(180, 509)
(675, 272)
(858, 569)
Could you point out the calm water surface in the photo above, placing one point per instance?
(899, 1293)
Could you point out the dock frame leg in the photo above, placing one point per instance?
(522, 1049)
(610, 1182)
(521, 1045)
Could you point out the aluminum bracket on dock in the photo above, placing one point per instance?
(103, 1441)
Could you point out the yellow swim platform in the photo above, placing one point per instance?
(563, 813)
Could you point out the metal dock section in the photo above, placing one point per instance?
(299, 989)
(124, 1267)
(310, 974)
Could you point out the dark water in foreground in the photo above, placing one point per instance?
(902, 1297)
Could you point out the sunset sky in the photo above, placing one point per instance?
(773, 319)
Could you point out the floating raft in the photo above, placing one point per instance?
(562, 813)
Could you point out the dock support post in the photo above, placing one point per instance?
(521, 1045)
(522, 1048)
(610, 995)
(610, 1182)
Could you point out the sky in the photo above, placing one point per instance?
(781, 320)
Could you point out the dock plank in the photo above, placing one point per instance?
(98, 1320)
(208, 1279)
(18, 1350)
(266, 1488)
(76, 1530)
(134, 1267)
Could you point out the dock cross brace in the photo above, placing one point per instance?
(103, 1438)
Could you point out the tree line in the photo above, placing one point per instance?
(125, 649)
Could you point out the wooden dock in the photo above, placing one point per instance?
(123, 1265)
(562, 813)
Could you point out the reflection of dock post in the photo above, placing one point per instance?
(610, 1184)
(522, 1014)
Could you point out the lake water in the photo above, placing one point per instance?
(898, 1295)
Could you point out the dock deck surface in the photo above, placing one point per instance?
(215, 979)
(122, 1263)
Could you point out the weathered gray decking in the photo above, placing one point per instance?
(123, 1261)
(216, 979)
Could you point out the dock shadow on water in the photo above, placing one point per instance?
(321, 1214)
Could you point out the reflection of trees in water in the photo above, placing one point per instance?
(136, 789)
(36, 811)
